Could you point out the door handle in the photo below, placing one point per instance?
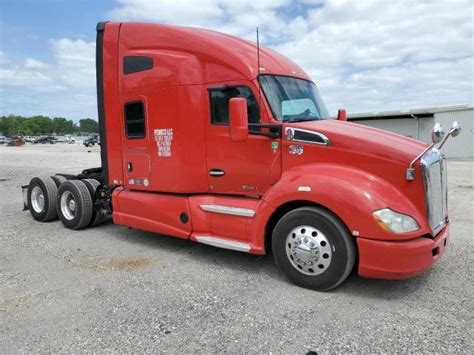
(216, 172)
(129, 167)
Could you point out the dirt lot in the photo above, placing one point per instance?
(119, 290)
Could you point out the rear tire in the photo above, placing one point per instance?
(313, 248)
(42, 192)
(97, 215)
(58, 179)
(75, 205)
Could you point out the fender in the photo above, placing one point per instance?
(350, 193)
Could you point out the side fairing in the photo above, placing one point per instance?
(108, 102)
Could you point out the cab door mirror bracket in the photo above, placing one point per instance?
(274, 130)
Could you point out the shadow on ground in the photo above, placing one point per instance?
(236, 261)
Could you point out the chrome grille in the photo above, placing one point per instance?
(435, 184)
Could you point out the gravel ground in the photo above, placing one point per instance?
(111, 289)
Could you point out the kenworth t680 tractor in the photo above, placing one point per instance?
(208, 137)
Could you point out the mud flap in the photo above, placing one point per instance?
(24, 190)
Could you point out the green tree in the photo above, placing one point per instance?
(10, 125)
(88, 125)
(13, 125)
(41, 125)
(60, 125)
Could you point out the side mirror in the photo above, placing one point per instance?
(238, 119)
(437, 134)
(456, 129)
(341, 115)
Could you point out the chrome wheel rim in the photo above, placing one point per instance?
(308, 250)
(68, 205)
(37, 199)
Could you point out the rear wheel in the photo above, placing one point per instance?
(75, 205)
(42, 192)
(58, 179)
(313, 248)
(98, 216)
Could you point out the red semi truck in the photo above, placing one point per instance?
(207, 137)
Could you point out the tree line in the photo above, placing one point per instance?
(13, 125)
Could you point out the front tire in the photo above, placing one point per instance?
(313, 248)
(75, 205)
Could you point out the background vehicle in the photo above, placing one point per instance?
(45, 140)
(91, 141)
(65, 139)
(16, 142)
(204, 140)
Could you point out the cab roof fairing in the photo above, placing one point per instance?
(214, 50)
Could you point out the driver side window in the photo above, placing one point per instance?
(220, 97)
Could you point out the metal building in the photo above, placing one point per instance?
(417, 123)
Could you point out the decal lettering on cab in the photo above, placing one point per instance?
(164, 141)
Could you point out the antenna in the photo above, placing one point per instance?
(258, 53)
(258, 74)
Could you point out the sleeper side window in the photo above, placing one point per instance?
(135, 120)
(220, 104)
(136, 63)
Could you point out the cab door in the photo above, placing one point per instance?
(135, 143)
(242, 168)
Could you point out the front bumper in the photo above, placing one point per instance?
(397, 260)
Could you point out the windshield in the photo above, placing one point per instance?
(292, 99)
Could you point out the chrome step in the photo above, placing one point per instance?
(222, 243)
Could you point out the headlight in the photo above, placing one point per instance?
(395, 222)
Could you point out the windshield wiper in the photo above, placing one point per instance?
(300, 119)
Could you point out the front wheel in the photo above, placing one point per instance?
(313, 248)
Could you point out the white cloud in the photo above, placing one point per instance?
(3, 58)
(65, 87)
(193, 13)
(365, 55)
(235, 17)
(31, 63)
(75, 62)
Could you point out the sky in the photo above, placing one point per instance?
(365, 55)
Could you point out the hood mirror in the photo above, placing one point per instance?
(456, 129)
(438, 133)
(437, 136)
(341, 115)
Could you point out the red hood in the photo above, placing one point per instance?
(366, 140)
